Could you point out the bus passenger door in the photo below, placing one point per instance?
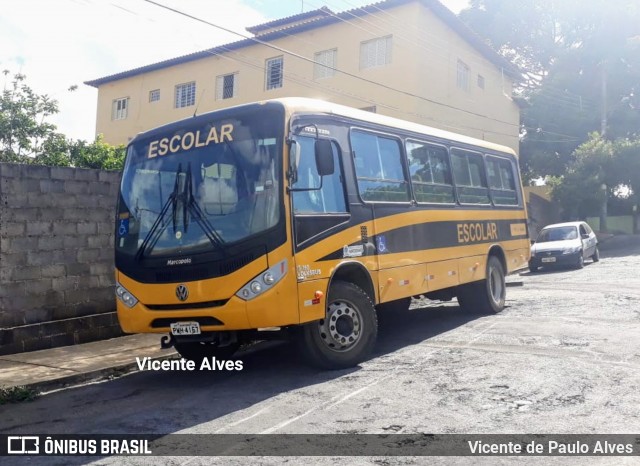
(319, 212)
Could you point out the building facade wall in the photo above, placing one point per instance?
(56, 256)
(424, 57)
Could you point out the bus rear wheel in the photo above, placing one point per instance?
(346, 335)
(486, 296)
(197, 351)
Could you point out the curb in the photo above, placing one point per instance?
(70, 381)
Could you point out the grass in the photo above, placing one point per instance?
(17, 394)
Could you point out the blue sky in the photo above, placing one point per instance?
(60, 43)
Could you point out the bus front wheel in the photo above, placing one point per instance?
(486, 296)
(346, 335)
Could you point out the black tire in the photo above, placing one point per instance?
(197, 351)
(486, 296)
(580, 263)
(347, 335)
(533, 268)
(596, 255)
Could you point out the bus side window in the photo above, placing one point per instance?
(471, 182)
(379, 167)
(430, 173)
(501, 181)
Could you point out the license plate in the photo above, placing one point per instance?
(185, 328)
(548, 259)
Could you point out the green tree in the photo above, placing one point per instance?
(23, 129)
(600, 169)
(26, 136)
(580, 189)
(97, 154)
(581, 65)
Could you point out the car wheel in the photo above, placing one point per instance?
(347, 334)
(533, 268)
(596, 255)
(486, 296)
(580, 263)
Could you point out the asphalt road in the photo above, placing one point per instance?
(563, 357)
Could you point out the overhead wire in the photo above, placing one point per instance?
(347, 73)
(560, 92)
(314, 84)
(417, 40)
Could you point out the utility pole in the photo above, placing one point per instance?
(603, 133)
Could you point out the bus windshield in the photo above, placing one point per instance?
(197, 187)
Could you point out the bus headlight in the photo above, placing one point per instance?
(256, 288)
(125, 296)
(263, 282)
(268, 278)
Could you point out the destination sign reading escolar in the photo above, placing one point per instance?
(189, 140)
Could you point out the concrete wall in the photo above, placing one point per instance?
(541, 209)
(56, 256)
(615, 224)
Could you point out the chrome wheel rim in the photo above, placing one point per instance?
(341, 329)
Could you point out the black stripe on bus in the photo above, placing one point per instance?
(435, 235)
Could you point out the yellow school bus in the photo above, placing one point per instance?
(299, 218)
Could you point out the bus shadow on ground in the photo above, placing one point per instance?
(163, 402)
(398, 327)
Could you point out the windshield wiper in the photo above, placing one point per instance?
(154, 233)
(193, 206)
(189, 204)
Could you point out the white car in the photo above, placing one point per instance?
(567, 244)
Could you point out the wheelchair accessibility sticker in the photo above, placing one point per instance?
(381, 243)
(123, 227)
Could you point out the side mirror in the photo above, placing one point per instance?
(532, 241)
(585, 236)
(324, 157)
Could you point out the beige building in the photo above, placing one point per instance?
(410, 59)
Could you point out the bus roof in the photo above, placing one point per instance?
(303, 104)
(294, 105)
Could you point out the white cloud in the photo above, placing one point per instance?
(62, 43)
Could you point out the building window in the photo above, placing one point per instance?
(326, 62)
(274, 71)
(120, 109)
(481, 81)
(463, 76)
(185, 94)
(226, 86)
(154, 95)
(376, 52)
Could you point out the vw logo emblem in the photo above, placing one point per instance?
(182, 292)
